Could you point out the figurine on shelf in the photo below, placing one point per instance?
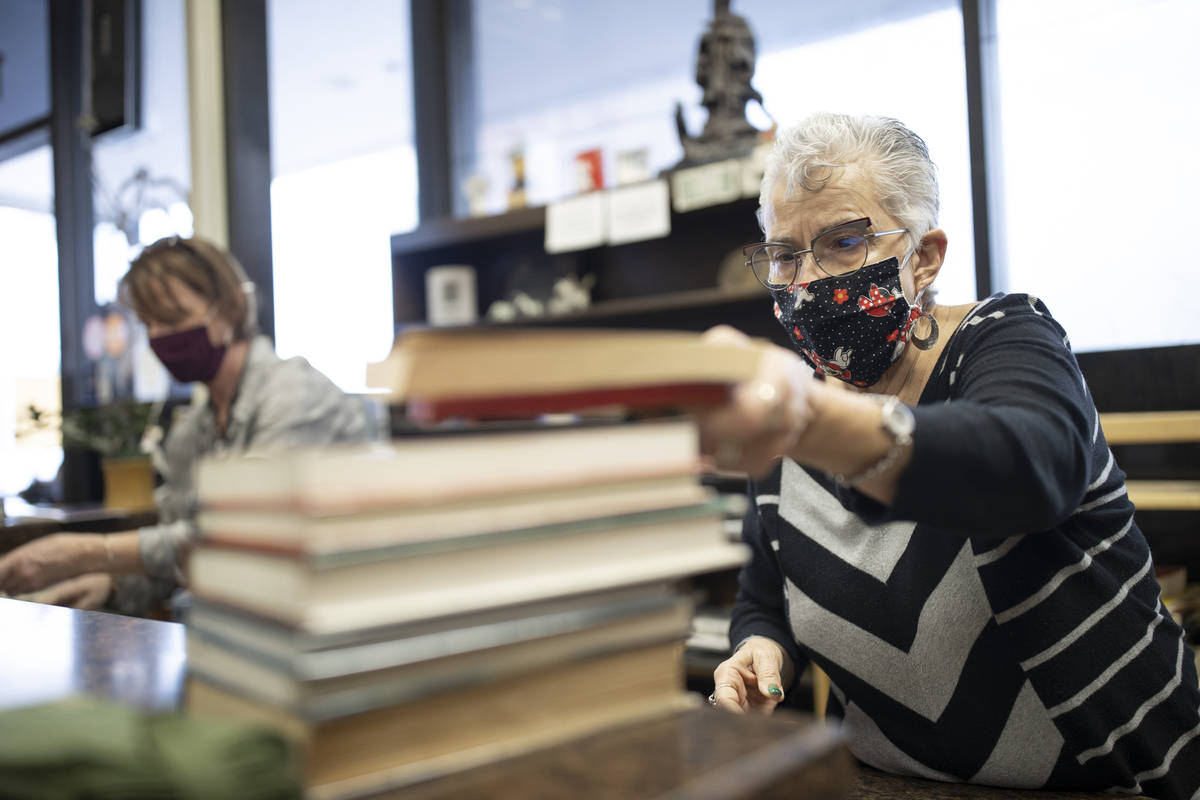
(502, 311)
(724, 67)
(475, 188)
(516, 195)
(521, 304)
(568, 295)
(571, 295)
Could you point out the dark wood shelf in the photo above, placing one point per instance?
(450, 231)
(651, 304)
(663, 283)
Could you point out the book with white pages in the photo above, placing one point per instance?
(347, 590)
(336, 683)
(421, 471)
(293, 530)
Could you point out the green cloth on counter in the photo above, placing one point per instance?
(94, 750)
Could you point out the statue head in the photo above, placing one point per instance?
(725, 63)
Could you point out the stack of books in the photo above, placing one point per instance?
(449, 599)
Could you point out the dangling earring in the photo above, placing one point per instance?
(928, 341)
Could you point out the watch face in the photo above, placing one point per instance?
(899, 419)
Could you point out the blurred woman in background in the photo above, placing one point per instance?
(200, 314)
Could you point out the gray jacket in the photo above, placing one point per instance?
(278, 405)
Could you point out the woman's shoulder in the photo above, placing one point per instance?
(1002, 305)
(1009, 313)
(293, 389)
(1010, 323)
(293, 377)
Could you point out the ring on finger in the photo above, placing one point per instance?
(770, 397)
(712, 698)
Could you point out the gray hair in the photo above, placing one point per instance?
(894, 158)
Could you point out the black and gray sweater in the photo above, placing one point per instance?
(999, 623)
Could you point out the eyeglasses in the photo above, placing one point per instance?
(837, 251)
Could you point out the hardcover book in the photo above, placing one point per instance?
(478, 723)
(350, 589)
(424, 471)
(515, 372)
(326, 685)
(298, 531)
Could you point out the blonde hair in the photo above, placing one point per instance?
(201, 266)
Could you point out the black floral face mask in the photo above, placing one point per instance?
(851, 327)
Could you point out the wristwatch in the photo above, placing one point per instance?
(896, 420)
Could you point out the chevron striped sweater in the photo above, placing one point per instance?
(999, 623)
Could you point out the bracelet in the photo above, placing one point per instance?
(896, 420)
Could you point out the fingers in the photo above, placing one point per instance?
(99, 586)
(729, 679)
(66, 593)
(750, 679)
(763, 421)
(84, 591)
(19, 574)
(767, 664)
(725, 334)
(765, 417)
(728, 697)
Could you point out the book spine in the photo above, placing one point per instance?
(428, 410)
(329, 559)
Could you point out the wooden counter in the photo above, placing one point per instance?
(706, 755)
(53, 653)
(871, 784)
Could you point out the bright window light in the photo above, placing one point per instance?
(1097, 121)
(331, 232)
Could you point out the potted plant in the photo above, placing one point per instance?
(116, 431)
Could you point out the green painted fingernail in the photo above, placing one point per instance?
(774, 691)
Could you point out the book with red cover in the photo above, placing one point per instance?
(522, 406)
(513, 373)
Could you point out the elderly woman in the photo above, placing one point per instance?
(947, 535)
(198, 307)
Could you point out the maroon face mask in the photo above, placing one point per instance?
(189, 355)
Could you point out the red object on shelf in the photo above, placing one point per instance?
(589, 170)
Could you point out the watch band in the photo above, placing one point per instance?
(896, 420)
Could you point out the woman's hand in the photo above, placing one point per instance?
(85, 591)
(49, 560)
(752, 679)
(767, 415)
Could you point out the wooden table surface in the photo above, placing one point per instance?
(693, 754)
(871, 784)
(50, 653)
(705, 755)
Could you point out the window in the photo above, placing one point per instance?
(344, 177)
(142, 179)
(877, 69)
(29, 332)
(1097, 120)
(549, 86)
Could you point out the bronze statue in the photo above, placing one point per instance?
(724, 67)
